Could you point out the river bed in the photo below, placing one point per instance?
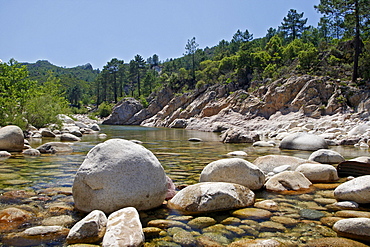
(183, 161)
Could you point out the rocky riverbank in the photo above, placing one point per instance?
(306, 103)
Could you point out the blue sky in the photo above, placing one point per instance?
(75, 32)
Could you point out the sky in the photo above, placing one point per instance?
(68, 33)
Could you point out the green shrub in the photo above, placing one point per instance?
(104, 109)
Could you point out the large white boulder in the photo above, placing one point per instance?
(326, 156)
(318, 172)
(357, 189)
(124, 229)
(234, 170)
(303, 141)
(119, 173)
(11, 138)
(211, 196)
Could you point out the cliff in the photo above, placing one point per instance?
(221, 107)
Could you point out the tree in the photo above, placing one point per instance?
(293, 25)
(355, 15)
(140, 63)
(113, 67)
(190, 49)
(239, 38)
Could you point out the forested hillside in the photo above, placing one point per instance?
(337, 48)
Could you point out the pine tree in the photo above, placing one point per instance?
(293, 25)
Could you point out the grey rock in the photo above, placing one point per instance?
(357, 189)
(11, 138)
(69, 137)
(303, 141)
(211, 196)
(357, 228)
(326, 156)
(123, 111)
(234, 170)
(90, 229)
(119, 173)
(55, 147)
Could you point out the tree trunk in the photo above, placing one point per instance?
(357, 43)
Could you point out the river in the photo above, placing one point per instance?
(182, 160)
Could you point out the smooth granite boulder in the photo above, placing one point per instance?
(303, 141)
(11, 138)
(119, 173)
(234, 170)
(357, 189)
(211, 196)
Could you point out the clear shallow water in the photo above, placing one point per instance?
(182, 160)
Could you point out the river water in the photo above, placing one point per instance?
(182, 160)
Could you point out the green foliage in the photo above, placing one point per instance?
(104, 109)
(24, 102)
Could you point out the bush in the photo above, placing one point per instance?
(104, 109)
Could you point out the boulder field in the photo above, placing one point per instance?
(119, 178)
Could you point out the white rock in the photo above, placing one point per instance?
(268, 163)
(357, 189)
(90, 229)
(262, 144)
(211, 196)
(69, 137)
(347, 204)
(124, 229)
(326, 156)
(119, 173)
(357, 228)
(288, 180)
(303, 141)
(282, 168)
(237, 153)
(318, 172)
(5, 154)
(233, 170)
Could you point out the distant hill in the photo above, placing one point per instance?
(39, 71)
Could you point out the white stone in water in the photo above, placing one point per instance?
(347, 204)
(234, 170)
(124, 229)
(357, 189)
(281, 168)
(90, 229)
(237, 153)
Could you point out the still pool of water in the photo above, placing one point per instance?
(183, 161)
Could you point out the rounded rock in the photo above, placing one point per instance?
(119, 173)
(326, 156)
(211, 196)
(303, 141)
(11, 138)
(318, 172)
(357, 189)
(234, 170)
